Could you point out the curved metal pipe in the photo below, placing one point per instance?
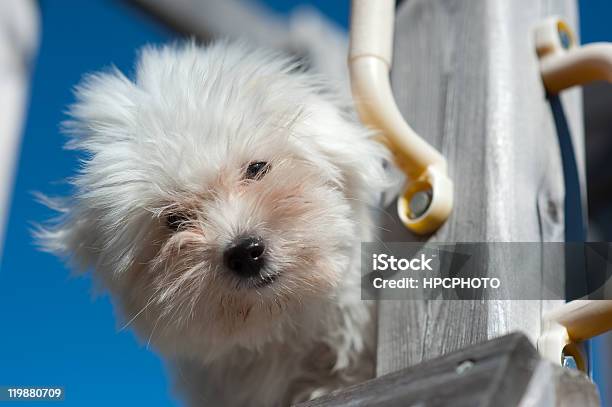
(584, 319)
(562, 65)
(565, 65)
(370, 57)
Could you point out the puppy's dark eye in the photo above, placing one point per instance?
(176, 221)
(256, 170)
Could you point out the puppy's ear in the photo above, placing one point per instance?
(103, 112)
(356, 161)
(66, 236)
(100, 223)
(87, 237)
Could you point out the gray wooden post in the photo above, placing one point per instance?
(465, 76)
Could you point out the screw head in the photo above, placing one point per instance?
(564, 38)
(464, 366)
(419, 203)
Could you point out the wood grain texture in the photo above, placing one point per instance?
(465, 76)
(505, 371)
(494, 373)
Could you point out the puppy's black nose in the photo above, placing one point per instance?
(245, 256)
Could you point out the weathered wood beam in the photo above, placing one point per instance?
(502, 372)
(465, 75)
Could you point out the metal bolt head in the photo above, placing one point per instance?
(564, 38)
(464, 366)
(419, 203)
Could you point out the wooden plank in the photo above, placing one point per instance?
(501, 372)
(465, 76)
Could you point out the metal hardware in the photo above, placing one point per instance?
(563, 64)
(370, 57)
(464, 366)
(568, 326)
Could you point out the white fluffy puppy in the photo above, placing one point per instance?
(222, 200)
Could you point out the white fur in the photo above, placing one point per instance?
(177, 140)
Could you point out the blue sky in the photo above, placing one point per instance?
(55, 331)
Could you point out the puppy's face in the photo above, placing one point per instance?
(263, 232)
(220, 201)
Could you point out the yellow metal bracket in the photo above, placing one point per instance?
(427, 200)
(563, 63)
(566, 328)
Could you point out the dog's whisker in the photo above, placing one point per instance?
(152, 332)
(372, 206)
(136, 316)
